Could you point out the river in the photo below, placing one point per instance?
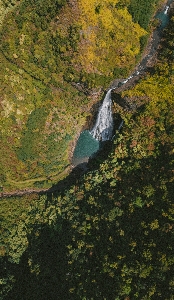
(87, 145)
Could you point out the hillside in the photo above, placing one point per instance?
(109, 233)
(54, 56)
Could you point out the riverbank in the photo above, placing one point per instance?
(148, 58)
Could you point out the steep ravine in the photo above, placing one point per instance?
(148, 58)
(140, 69)
(104, 120)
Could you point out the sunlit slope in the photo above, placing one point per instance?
(45, 48)
(112, 225)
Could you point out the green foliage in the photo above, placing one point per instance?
(109, 233)
(31, 136)
(114, 225)
(88, 235)
(167, 52)
(44, 50)
(142, 11)
(119, 72)
(34, 141)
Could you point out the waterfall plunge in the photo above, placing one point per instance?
(166, 10)
(103, 128)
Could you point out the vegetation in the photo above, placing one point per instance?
(109, 234)
(141, 11)
(34, 141)
(46, 50)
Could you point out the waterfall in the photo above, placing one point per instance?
(166, 10)
(103, 127)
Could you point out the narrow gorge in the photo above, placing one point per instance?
(103, 128)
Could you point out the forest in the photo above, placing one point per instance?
(108, 233)
(46, 53)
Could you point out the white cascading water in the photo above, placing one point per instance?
(166, 10)
(103, 128)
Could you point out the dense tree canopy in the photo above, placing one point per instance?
(109, 233)
(47, 50)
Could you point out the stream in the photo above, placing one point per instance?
(89, 142)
